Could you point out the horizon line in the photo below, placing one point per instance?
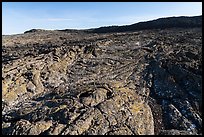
(58, 19)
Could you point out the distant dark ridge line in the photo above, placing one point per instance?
(160, 23)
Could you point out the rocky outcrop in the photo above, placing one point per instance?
(72, 83)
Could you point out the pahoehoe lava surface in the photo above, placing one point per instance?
(129, 83)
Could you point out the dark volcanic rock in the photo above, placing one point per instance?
(76, 83)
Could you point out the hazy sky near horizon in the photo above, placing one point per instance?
(18, 17)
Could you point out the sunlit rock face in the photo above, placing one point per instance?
(76, 83)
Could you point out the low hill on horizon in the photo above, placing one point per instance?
(160, 23)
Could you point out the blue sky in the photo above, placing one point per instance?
(18, 17)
